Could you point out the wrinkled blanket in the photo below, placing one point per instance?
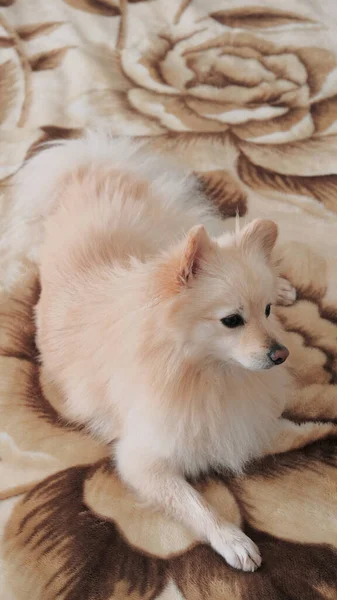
(246, 94)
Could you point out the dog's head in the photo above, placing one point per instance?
(220, 294)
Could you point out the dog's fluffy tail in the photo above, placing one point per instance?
(38, 185)
(39, 182)
(36, 189)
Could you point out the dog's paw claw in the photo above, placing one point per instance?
(238, 550)
(286, 293)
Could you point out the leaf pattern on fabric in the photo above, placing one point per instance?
(257, 17)
(106, 8)
(225, 192)
(32, 31)
(48, 60)
(7, 88)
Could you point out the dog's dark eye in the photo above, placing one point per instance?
(267, 311)
(232, 321)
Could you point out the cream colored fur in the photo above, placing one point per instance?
(129, 323)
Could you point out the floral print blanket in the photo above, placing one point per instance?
(246, 93)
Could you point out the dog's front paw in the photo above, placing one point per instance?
(286, 293)
(238, 550)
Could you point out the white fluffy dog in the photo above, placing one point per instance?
(158, 335)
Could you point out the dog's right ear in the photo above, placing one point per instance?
(184, 262)
(195, 248)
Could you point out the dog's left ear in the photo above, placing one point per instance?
(260, 235)
(196, 245)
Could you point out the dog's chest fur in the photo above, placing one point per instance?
(225, 431)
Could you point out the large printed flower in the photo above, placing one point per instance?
(270, 98)
(224, 82)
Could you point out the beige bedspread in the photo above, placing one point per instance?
(246, 93)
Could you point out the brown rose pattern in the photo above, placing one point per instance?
(247, 97)
(274, 103)
(266, 97)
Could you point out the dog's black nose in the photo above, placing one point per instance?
(278, 354)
